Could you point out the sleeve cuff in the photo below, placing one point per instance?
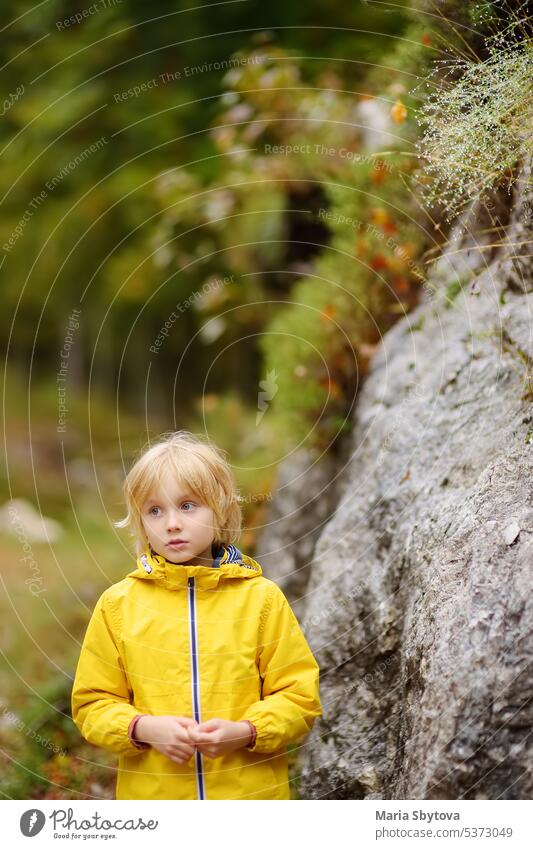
(253, 738)
(137, 743)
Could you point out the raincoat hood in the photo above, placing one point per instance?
(228, 563)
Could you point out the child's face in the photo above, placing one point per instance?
(171, 513)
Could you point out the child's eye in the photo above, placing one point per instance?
(151, 510)
(188, 502)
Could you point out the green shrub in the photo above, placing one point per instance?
(478, 128)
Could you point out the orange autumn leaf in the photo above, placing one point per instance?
(332, 387)
(328, 312)
(378, 262)
(401, 285)
(398, 112)
(377, 175)
(426, 39)
(379, 216)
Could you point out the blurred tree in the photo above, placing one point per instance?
(100, 100)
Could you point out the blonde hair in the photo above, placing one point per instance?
(198, 464)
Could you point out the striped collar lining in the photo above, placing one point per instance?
(221, 555)
(233, 555)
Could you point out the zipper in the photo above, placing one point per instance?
(195, 683)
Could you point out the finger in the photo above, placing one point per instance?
(183, 748)
(209, 725)
(203, 731)
(177, 760)
(188, 752)
(201, 739)
(208, 749)
(182, 757)
(188, 740)
(187, 721)
(191, 732)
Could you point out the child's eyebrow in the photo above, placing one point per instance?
(183, 497)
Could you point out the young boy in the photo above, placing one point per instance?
(194, 668)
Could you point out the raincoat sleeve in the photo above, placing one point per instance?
(289, 672)
(101, 706)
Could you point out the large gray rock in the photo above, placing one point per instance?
(419, 604)
(303, 502)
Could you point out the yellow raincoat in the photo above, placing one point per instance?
(204, 642)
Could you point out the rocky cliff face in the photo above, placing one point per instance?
(303, 503)
(419, 604)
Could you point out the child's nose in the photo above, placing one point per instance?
(174, 522)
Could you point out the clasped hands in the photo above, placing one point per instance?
(178, 737)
